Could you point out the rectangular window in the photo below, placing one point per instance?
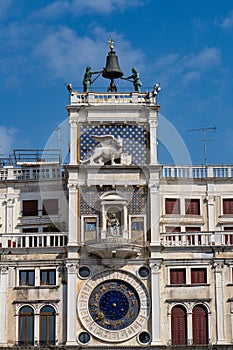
(50, 206)
(177, 276)
(47, 277)
(198, 275)
(30, 208)
(172, 206)
(137, 224)
(27, 278)
(90, 226)
(172, 229)
(30, 230)
(192, 206)
(137, 228)
(228, 206)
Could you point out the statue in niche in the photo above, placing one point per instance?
(113, 225)
(109, 148)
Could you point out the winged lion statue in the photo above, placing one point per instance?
(109, 148)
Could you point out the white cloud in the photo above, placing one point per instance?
(203, 60)
(80, 7)
(189, 68)
(190, 77)
(228, 21)
(7, 136)
(66, 54)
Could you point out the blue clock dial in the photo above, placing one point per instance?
(114, 304)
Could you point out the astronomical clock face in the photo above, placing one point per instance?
(113, 306)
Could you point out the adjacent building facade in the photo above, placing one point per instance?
(115, 249)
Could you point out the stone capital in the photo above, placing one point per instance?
(72, 187)
(4, 269)
(153, 123)
(73, 123)
(72, 268)
(154, 187)
(155, 267)
(218, 266)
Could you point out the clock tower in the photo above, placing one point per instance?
(112, 262)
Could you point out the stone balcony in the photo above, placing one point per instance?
(116, 246)
(113, 247)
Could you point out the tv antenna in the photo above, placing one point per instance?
(204, 140)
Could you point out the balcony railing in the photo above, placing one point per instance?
(60, 239)
(197, 172)
(194, 239)
(33, 240)
(31, 173)
(82, 98)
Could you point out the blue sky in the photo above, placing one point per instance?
(185, 45)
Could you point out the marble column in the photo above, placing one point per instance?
(154, 213)
(9, 215)
(156, 302)
(71, 304)
(153, 141)
(219, 300)
(189, 328)
(73, 214)
(73, 142)
(3, 304)
(211, 213)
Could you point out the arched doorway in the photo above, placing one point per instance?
(26, 326)
(47, 325)
(200, 325)
(179, 325)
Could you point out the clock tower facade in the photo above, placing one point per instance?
(113, 189)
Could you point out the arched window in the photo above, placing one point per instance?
(179, 325)
(200, 325)
(26, 326)
(47, 325)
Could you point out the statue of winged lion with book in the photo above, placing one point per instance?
(109, 148)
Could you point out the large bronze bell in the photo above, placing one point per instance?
(112, 69)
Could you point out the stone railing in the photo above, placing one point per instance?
(197, 172)
(82, 98)
(33, 240)
(197, 239)
(31, 173)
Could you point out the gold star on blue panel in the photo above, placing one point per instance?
(135, 140)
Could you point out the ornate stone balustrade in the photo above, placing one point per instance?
(189, 239)
(31, 173)
(33, 240)
(82, 98)
(197, 172)
(111, 246)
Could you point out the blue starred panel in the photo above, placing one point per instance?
(137, 198)
(135, 140)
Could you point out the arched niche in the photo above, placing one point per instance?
(114, 215)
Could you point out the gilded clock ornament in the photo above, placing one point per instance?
(113, 305)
